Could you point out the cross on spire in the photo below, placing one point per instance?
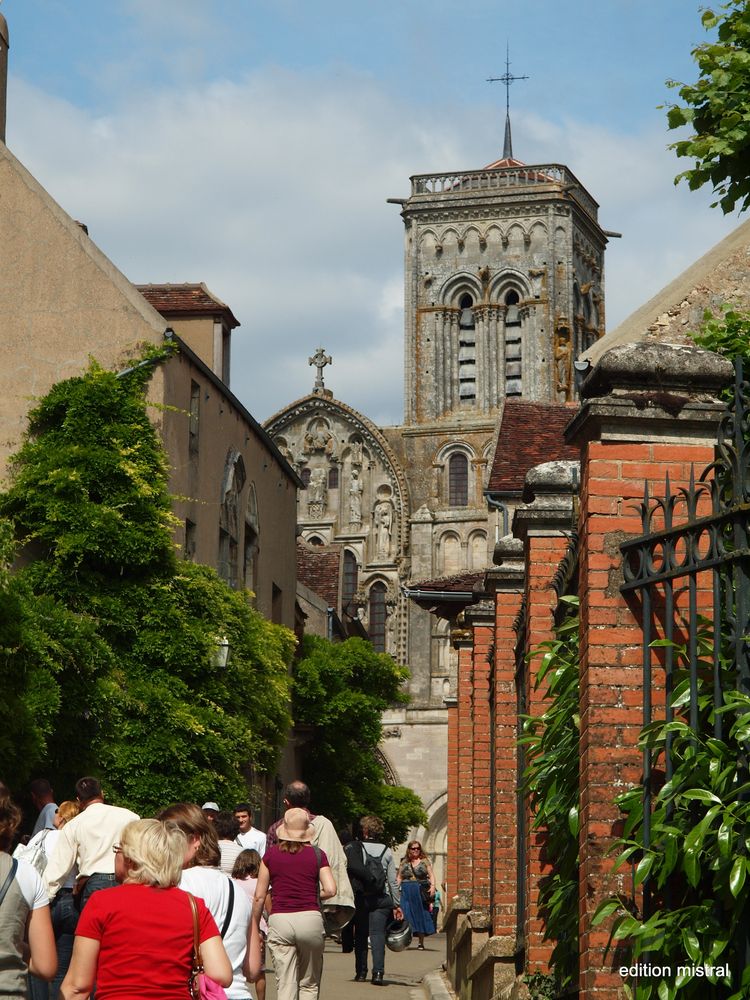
(507, 78)
(320, 359)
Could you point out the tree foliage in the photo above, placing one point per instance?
(340, 692)
(717, 109)
(120, 636)
(727, 333)
(696, 862)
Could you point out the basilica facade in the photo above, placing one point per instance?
(503, 289)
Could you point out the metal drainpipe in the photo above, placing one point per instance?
(499, 506)
(329, 626)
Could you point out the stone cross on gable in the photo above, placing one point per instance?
(320, 359)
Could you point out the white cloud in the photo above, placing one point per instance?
(272, 189)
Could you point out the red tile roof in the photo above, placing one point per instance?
(505, 161)
(318, 567)
(186, 300)
(530, 433)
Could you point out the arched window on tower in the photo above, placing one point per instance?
(513, 359)
(377, 617)
(467, 350)
(349, 583)
(458, 480)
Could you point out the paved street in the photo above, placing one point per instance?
(404, 972)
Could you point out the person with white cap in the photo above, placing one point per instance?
(298, 877)
(210, 809)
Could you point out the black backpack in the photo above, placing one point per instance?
(374, 882)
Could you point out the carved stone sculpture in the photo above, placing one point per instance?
(355, 499)
(383, 521)
(317, 490)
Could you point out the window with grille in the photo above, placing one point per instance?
(349, 583)
(467, 351)
(513, 359)
(377, 616)
(458, 481)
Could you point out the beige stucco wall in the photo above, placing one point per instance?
(198, 334)
(197, 482)
(61, 301)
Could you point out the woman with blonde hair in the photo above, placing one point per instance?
(298, 877)
(137, 939)
(203, 877)
(25, 924)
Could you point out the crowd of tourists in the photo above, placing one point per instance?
(200, 895)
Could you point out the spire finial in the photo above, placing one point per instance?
(507, 78)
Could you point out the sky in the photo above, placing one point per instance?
(252, 144)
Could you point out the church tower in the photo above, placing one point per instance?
(504, 287)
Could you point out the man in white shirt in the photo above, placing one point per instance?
(88, 840)
(249, 838)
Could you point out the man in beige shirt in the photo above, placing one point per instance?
(88, 841)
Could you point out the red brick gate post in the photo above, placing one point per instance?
(544, 525)
(648, 408)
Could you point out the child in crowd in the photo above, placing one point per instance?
(245, 874)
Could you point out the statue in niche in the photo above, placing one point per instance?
(355, 499)
(317, 490)
(357, 453)
(318, 438)
(390, 634)
(383, 521)
(563, 362)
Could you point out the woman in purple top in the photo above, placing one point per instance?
(298, 876)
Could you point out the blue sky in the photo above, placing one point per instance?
(253, 144)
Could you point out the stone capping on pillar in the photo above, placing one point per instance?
(508, 553)
(550, 489)
(646, 388)
(494, 948)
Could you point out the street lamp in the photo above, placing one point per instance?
(222, 652)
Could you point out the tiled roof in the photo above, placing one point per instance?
(318, 568)
(505, 161)
(460, 583)
(530, 433)
(186, 300)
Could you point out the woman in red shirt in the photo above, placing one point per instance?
(136, 939)
(299, 876)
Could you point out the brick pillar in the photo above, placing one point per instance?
(647, 407)
(507, 582)
(481, 619)
(462, 639)
(451, 862)
(544, 525)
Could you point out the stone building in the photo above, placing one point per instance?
(503, 289)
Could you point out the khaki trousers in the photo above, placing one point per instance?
(296, 942)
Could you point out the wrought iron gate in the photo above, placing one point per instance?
(690, 572)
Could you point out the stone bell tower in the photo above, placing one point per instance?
(504, 287)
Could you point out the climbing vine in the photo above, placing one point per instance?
(114, 654)
(550, 781)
